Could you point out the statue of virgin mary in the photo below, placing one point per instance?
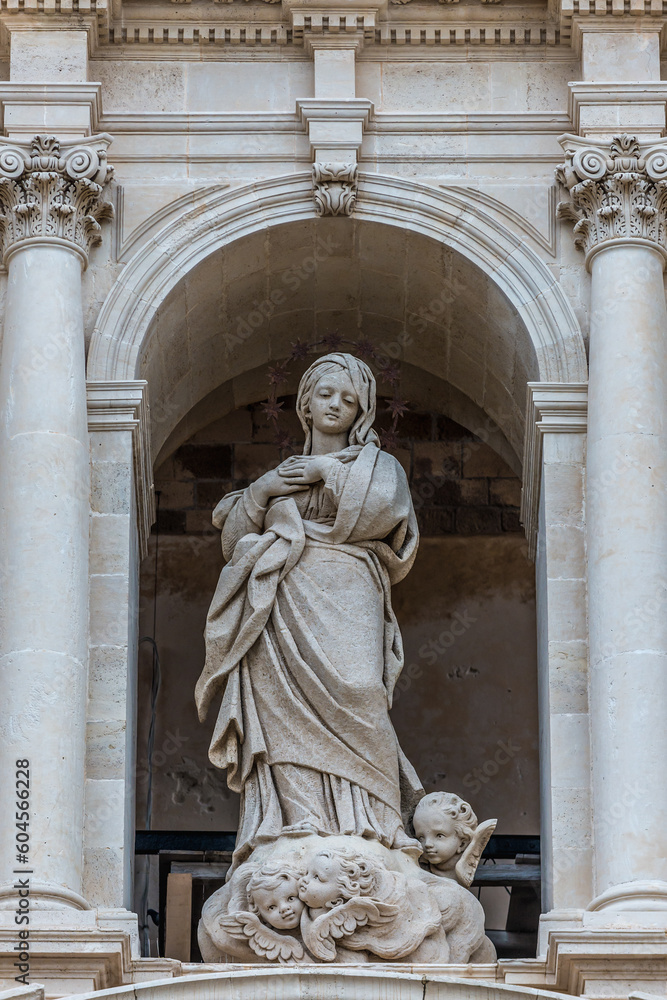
(301, 638)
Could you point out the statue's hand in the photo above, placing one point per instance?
(305, 469)
(272, 484)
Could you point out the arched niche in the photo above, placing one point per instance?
(177, 314)
(438, 277)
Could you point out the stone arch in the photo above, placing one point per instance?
(471, 224)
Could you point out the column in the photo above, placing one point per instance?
(51, 207)
(618, 200)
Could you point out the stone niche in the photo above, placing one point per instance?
(465, 708)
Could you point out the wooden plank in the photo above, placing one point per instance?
(202, 869)
(178, 916)
(507, 875)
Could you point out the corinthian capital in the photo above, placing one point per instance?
(618, 192)
(52, 191)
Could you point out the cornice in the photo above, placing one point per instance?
(192, 41)
(552, 408)
(84, 96)
(379, 123)
(200, 30)
(92, 16)
(584, 93)
(209, 28)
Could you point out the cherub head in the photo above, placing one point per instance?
(273, 893)
(444, 825)
(333, 877)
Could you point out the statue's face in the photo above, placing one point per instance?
(435, 831)
(280, 907)
(334, 404)
(319, 887)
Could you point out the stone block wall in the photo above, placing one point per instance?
(460, 486)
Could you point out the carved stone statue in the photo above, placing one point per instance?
(303, 645)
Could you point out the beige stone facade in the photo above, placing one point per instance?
(189, 189)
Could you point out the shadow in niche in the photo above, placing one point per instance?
(458, 697)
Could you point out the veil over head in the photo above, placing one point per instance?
(363, 380)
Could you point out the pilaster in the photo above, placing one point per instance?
(553, 514)
(121, 513)
(619, 49)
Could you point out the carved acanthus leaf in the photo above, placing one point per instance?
(617, 192)
(334, 188)
(49, 189)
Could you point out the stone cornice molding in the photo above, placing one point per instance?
(335, 127)
(51, 191)
(618, 192)
(123, 406)
(316, 109)
(552, 408)
(84, 98)
(91, 16)
(584, 94)
(576, 16)
(413, 39)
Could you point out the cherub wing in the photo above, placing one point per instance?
(264, 941)
(467, 864)
(342, 921)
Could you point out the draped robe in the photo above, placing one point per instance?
(302, 641)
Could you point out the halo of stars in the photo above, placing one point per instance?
(388, 371)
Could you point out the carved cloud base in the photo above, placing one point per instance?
(310, 899)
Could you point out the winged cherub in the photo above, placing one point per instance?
(337, 889)
(452, 841)
(273, 906)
